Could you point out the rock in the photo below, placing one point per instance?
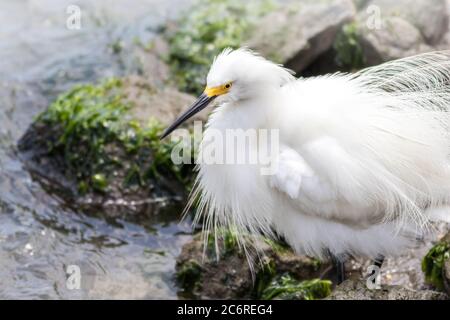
(384, 30)
(360, 4)
(153, 68)
(164, 104)
(445, 42)
(430, 20)
(209, 27)
(357, 290)
(230, 277)
(296, 34)
(281, 275)
(397, 38)
(96, 148)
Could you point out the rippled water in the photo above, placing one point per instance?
(39, 236)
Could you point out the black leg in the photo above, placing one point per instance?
(379, 260)
(339, 265)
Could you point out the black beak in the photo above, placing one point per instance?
(196, 107)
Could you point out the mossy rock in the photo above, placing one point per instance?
(98, 146)
(435, 264)
(300, 32)
(189, 274)
(287, 288)
(228, 275)
(209, 27)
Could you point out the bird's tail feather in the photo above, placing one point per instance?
(415, 93)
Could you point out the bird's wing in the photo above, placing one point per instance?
(379, 137)
(295, 178)
(332, 189)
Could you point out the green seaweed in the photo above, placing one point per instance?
(189, 274)
(264, 277)
(96, 136)
(226, 239)
(286, 287)
(208, 28)
(433, 263)
(278, 246)
(349, 53)
(228, 242)
(99, 182)
(270, 282)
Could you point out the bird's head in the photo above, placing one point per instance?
(236, 75)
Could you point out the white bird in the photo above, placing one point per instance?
(363, 164)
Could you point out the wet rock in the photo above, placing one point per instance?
(230, 277)
(98, 147)
(358, 290)
(430, 20)
(296, 34)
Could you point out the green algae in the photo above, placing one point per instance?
(208, 28)
(287, 288)
(264, 277)
(95, 136)
(189, 275)
(222, 242)
(433, 263)
(349, 53)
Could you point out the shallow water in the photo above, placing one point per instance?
(40, 237)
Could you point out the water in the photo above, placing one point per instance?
(40, 237)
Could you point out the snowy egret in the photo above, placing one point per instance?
(363, 160)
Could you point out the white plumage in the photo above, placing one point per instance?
(364, 157)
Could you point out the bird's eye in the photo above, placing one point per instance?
(228, 85)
